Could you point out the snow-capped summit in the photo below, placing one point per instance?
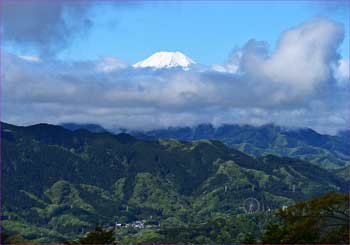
(161, 60)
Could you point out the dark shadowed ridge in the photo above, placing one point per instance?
(305, 143)
(53, 175)
(94, 128)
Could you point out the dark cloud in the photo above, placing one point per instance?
(46, 26)
(295, 85)
(335, 6)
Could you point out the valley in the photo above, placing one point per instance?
(58, 183)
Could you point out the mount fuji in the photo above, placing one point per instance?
(161, 60)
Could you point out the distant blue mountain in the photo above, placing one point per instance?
(324, 150)
(330, 152)
(94, 128)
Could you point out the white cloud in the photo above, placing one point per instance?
(109, 64)
(302, 60)
(32, 58)
(305, 54)
(218, 68)
(342, 73)
(293, 86)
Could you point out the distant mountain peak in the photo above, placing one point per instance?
(95, 128)
(161, 60)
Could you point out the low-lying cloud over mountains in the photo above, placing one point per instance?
(303, 82)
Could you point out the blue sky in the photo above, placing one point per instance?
(68, 61)
(205, 31)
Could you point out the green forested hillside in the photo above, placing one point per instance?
(58, 184)
(327, 151)
(321, 220)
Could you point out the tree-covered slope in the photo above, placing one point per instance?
(324, 150)
(59, 183)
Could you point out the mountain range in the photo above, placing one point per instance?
(327, 151)
(58, 182)
(324, 150)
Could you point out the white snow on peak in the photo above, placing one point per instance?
(161, 60)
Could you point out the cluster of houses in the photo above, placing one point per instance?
(138, 224)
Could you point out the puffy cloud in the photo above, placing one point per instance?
(305, 55)
(342, 73)
(220, 68)
(45, 26)
(255, 87)
(302, 61)
(109, 64)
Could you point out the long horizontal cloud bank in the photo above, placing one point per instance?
(302, 83)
